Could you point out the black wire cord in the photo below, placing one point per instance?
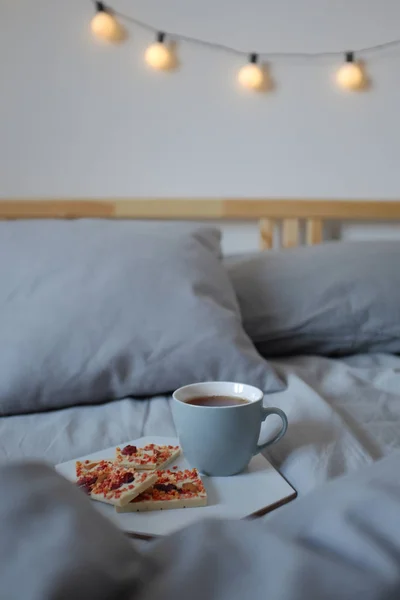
(273, 55)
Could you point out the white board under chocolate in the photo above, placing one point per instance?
(255, 491)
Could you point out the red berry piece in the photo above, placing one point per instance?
(129, 450)
(86, 484)
(125, 478)
(165, 487)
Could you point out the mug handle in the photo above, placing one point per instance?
(273, 411)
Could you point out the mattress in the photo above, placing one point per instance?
(342, 415)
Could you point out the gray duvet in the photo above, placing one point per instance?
(342, 413)
(340, 542)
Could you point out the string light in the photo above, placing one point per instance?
(158, 55)
(251, 76)
(350, 75)
(104, 25)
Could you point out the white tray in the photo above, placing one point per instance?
(254, 492)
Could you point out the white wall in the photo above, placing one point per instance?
(80, 118)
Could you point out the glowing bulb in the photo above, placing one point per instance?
(251, 75)
(350, 75)
(104, 25)
(158, 55)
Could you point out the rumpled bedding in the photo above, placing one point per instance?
(343, 414)
(340, 542)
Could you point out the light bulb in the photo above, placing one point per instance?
(158, 55)
(104, 25)
(251, 75)
(350, 75)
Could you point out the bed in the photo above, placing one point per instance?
(344, 411)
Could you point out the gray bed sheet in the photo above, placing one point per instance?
(342, 414)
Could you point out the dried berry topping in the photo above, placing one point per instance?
(165, 487)
(129, 450)
(125, 478)
(86, 484)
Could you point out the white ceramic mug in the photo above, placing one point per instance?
(221, 440)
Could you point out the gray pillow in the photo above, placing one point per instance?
(95, 310)
(334, 299)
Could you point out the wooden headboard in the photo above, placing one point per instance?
(285, 214)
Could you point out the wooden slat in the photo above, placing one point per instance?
(200, 208)
(290, 233)
(117, 209)
(314, 230)
(180, 208)
(374, 210)
(62, 209)
(266, 227)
